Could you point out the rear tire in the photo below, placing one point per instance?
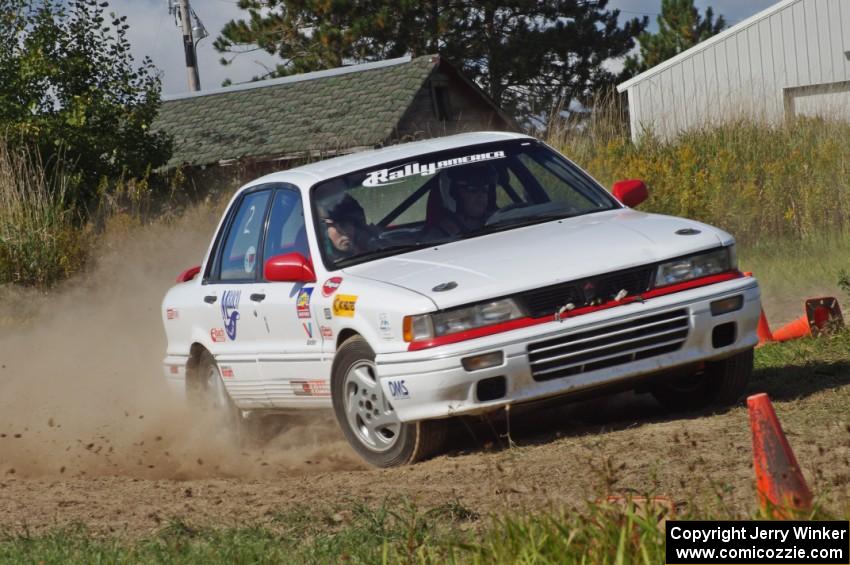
(368, 419)
(721, 383)
(205, 390)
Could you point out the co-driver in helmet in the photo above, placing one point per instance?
(466, 192)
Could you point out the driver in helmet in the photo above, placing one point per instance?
(466, 192)
(344, 221)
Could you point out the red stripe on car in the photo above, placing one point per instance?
(526, 322)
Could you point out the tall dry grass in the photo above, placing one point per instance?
(760, 182)
(782, 190)
(40, 242)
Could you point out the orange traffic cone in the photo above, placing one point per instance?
(794, 330)
(781, 487)
(763, 330)
(822, 315)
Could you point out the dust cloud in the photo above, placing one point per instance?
(81, 386)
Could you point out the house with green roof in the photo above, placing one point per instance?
(276, 123)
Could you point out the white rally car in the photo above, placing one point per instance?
(456, 276)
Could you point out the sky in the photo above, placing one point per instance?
(153, 32)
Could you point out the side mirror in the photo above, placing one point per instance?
(630, 192)
(188, 274)
(289, 267)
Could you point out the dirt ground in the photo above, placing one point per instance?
(89, 434)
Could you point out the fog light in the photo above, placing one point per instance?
(727, 305)
(723, 335)
(478, 362)
(492, 388)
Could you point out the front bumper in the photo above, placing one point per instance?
(610, 345)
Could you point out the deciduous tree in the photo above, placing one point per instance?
(70, 87)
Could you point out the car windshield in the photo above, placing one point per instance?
(438, 198)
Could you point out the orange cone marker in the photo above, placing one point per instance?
(781, 487)
(763, 330)
(794, 330)
(823, 315)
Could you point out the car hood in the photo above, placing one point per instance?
(520, 259)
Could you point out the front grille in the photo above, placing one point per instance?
(547, 300)
(611, 345)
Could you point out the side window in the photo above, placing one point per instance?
(287, 233)
(239, 253)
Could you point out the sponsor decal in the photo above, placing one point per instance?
(344, 305)
(308, 329)
(250, 259)
(174, 369)
(230, 311)
(384, 177)
(328, 314)
(384, 327)
(226, 372)
(311, 388)
(331, 285)
(217, 335)
(398, 390)
(326, 331)
(302, 303)
(172, 314)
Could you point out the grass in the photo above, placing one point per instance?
(791, 270)
(783, 191)
(757, 181)
(40, 241)
(398, 531)
(394, 532)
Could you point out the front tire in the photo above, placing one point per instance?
(721, 383)
(368, 419)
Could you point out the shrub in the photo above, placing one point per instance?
(757, 181)
(40, 242)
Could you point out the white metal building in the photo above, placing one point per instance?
(789, 60)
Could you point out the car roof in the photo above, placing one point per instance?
(337, 166)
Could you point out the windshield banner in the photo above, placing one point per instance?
(386, 177)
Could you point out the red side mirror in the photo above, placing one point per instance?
(630, 192)
(188, 274)
(289, 267)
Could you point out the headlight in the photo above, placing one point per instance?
(427, 326)
(696, 266)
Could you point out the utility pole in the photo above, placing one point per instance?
(189, 46)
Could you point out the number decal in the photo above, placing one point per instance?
(251, 210)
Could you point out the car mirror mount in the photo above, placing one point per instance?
(630, 192)
(289, 267)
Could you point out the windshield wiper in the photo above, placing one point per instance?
(509, 223)
(517, 223)
(387, 251)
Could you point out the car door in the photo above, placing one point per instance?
(232, 294)
(294, 369)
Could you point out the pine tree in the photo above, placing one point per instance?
(680, 27)
(530, 56)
